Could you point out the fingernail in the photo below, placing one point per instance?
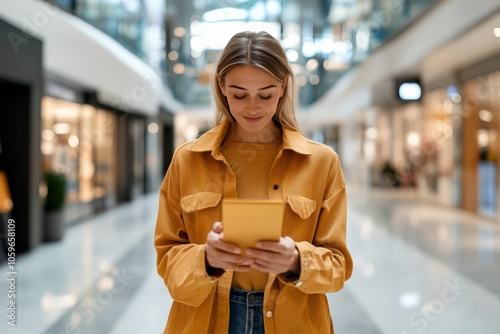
(259, 244)
(237, 251)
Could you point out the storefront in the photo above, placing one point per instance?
(481, 144)
(437, 150)
(391, 137)
(80, 141)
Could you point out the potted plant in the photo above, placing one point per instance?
(54, 202)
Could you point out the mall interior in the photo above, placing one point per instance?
(96, 95)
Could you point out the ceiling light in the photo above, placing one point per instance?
(409, 299)
(179, 32)
(412, 139)
(225, 14)
(371, 133)
(314, 79)
(48, 135)
(73, 141)
(455, 97)
(312, 64)
(485, 115)
(173, 55)
(61, 128)
(496, 32)
(292, 55)
(483, 138)
(179, 68)
(198, 43)
(132, 6)
(153, 128)
(291, 40)
(273, 8)
(308, 49)
(301, 81)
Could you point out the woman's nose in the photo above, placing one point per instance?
(253, 106)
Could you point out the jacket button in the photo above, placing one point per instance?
(276, 187)
(269, 314)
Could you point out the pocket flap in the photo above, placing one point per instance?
(200, 201)
(302, 206)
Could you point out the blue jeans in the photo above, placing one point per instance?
(245, 315)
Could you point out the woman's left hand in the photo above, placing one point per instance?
(275, 257)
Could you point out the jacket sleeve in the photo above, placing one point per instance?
(326, 262)
(180, 263)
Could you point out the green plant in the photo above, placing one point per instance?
(56, 191)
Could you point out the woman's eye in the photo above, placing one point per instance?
(241, 97)
(268, 97)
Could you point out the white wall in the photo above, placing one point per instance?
(81, 53)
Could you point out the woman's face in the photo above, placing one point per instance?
(253, 96)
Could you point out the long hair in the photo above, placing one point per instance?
(263, 51)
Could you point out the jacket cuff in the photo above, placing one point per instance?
(212, 272)
(289, 277)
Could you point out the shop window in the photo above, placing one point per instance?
(79, 140)
(482, 108)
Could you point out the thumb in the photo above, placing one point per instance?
(217, 228)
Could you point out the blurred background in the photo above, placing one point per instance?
(95, 95)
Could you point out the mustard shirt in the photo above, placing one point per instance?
(308, 177)
(250, 163)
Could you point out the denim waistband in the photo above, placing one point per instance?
(246, 297)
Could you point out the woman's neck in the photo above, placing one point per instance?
(267, 135)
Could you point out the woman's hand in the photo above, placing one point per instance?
(220, 254)
(275, 257)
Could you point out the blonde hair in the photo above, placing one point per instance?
(263, 51)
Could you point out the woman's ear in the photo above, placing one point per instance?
(221, 84)
(284, 84)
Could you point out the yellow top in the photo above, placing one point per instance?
(250, 163)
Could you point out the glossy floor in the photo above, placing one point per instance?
(419, 268)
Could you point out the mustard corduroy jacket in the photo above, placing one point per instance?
(308, 176)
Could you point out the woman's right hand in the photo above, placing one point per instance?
(223, 255)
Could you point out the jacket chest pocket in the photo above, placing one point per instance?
(299, 221)
(302, 206)
(200, 212)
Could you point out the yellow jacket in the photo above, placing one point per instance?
(308, 176)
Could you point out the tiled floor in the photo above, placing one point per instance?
(419, 268)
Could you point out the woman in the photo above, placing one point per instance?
(254, 151)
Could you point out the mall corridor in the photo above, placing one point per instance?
(419, 268)
(96, 96)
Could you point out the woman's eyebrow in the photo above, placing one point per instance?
(242, 88)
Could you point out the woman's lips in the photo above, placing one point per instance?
(252, 119)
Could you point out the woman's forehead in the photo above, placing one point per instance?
(246, 76)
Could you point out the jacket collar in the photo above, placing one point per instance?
(211, 140)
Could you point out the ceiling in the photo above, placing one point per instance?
(323, 38)
(181, 39)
